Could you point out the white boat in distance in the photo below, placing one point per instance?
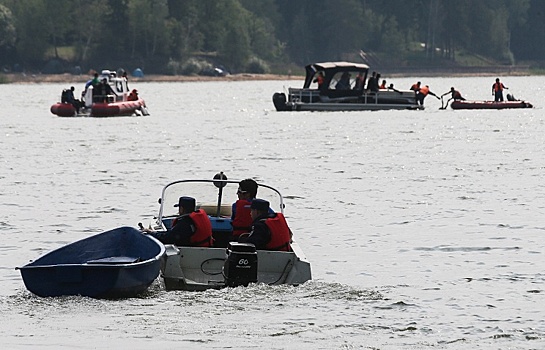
(342, 90)
(198, 268)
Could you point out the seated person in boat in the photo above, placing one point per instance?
(319, 79)
(192, 228)
(67, 96)
(344, 82)
(240, 217)
(133, 96)
(270, 231)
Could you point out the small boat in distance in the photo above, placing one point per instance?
(115, 104)
(342, 89)
(118, 263)
(198, 268)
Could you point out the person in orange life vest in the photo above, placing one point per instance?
(383, 85)
(192, 228)
(241, 220)
(454, 95)
(133, 96)
(415, 87)
(269, 231)
(497, 90)
(422, 93)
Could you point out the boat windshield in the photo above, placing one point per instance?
(206, 195)
(347, 80)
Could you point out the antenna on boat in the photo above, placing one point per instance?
(220, 185)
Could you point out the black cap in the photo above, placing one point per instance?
(260, 204)
(187, 203)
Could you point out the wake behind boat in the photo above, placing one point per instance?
(111, 99)
(226, 263)
(341, 89)
(118, 263)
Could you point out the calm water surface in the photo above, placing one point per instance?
(424, 228)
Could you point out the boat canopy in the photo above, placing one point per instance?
(332, 68)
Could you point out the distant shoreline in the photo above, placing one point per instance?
(21, 78)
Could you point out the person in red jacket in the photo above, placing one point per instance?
(241, 220)
(270, 231)
(192, 228)
(497, 90)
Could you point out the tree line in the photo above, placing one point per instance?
(190, 36)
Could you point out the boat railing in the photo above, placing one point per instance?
(303, 95)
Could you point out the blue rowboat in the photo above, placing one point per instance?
(114, 264)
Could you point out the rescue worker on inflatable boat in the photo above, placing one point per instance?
(269, 231)
(454, 95)
(497, 90)
(191, 229)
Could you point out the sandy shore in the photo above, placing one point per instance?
(459, 72)
(69, 78)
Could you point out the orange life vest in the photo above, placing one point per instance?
(424, 90)
(415, 87)
(280, 233)
(498, 86)
(242, 223)
(203, 229)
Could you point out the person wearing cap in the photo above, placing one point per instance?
(270, 231)
(241, 220)
(192, 228)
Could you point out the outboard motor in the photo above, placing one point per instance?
(279, 101)
(240, 267)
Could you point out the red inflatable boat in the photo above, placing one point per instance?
(489, 104)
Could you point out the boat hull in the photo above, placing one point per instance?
(198, 269)
(114, 264)
(101, 109)
(489, 104)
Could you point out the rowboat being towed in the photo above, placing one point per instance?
(117, 263)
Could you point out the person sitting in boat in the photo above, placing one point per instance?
(391, 87)
(192, 228)
(497, 90)
(359, 81)
(67, 96)
(133, 96)
(344, 82)
(383, 85)
(241, 220)
(319, 79)
(269, 231)
(422, 93)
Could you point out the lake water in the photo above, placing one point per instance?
(425, 229)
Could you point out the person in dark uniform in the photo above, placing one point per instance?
(270, 231)
(192, 228)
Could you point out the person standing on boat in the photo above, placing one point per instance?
(104, 89)
(241, 220)
(416, 87)
(192, 228)
(497, 90)
(422, 93)
(269, 231)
